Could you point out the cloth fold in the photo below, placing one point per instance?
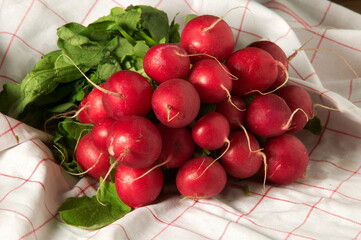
(325, 204)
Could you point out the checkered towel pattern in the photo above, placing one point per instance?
(326, 204)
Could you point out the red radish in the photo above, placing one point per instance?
(297, 97)
(255, 69)
(211, 131)
(135, 94)
(100, 132)
(268, 115)
(92, 159)
(91, 107)
(134, 141)
(287, 159)
(166, 61)
(176, 103)
(177, 146)
(235, 115)
(207, 34)
(211, 79)
(138, 187)
(278, 54)
(242, 159)
(201, 177)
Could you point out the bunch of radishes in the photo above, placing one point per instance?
(204, 69)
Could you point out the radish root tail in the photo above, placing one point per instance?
(147, 172)
(233, 77)
(230, 100)
(90, 81)
(112, 166)
(228, 143)
(278, 87)
(65, 115)
(169, 118)
(289, 122)
(89, 169)
(335, 53)
(221, 18)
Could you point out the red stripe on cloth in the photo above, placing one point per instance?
(117, 3)
(157, 4)
(283, 36)
(318, 45)
(53, 11)
(239, 30)
(315, 207)
(89, 11)
(341, 183)
(26, 180)
(16, 31)
(344, 133)
(327, 189)
(283, 8)
(9, 78)
(22, 215)
(277, 230)
(329, 162)
(299, 74)
(190, 6)
(243, 215)
(11, 128)
(22, 40)
(305, 219)
(335, 41)
(357, 236)
(172, 222)
(20, 178)
(36, 229)
(82, 191)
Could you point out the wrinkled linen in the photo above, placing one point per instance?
(325, 204)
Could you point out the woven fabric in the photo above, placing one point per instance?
(325, 204)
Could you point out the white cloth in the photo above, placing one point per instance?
(324, 205)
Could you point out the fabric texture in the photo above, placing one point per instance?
(325, 204)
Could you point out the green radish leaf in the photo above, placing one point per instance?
(65, 140)
(189, 17)
(314, 126)
(94, 212)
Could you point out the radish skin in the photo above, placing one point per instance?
(201, 177)
(137, 189)
(287, 159)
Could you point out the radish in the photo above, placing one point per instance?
(166, 61)
(91, 108)
(268, 115)
(90, 158)
(134, 91)
(177, 146)
(255, 69)
(236, 115)
(211, 79)
(242, 160)
(278, 54)
(211, 131)
(297, 97)
(138, 187)
(201, 177)
(176, 103)
(134, 141)
(100, 132)
(207, 35)
(287, 159)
